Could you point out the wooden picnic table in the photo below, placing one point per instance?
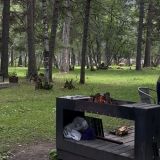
(142, 142)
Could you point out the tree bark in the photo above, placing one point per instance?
(25, 59)
(108, 55)
(79, 57)
(20, 63)
(87, 61)
(90, 57)
(40, 61)
(52, 40)
(73, 58)
(32, 69)
(147, 59)
(46, 43)
(5, 37)
(98, 51)
(84, 42)
(140, 33)
(64, 67)
(156, 62)
(12, 57)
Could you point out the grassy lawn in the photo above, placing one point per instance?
(27, 115)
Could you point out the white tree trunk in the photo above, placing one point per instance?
(64, 66)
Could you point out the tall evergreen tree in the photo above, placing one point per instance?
(32, 69)
(46, 42)
(84, 42)
(147, 59)
(52, 40)
(140, 33)
(5, 37)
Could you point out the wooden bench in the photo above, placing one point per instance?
(2, 75)
(141, 144)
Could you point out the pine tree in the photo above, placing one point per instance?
(5, 37)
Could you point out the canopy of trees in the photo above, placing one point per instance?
(65, 33)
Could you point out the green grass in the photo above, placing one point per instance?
(27, 115)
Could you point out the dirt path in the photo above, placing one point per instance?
(37, 151)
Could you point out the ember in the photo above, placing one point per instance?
(122, 131)
(102, 98)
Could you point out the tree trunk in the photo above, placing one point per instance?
(73, 59)
(84, 42)
(94, 56)
(87, 61)
(140, 33)
(5, 37)
(98, 51)
(64, 67)
(147, 59)
(12, 57)
(55, 61)
(25, 60)
(79, 58)
(129, 61)
(46, 43)
(30, 37)
(156, 60)
(108, 55)
(90, 57)
(40, 61)
(52, 40)
(20, 60)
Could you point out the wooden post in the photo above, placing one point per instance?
(145, 133)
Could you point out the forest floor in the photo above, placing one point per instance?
(36, 151)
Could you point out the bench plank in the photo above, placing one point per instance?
(95, 146)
